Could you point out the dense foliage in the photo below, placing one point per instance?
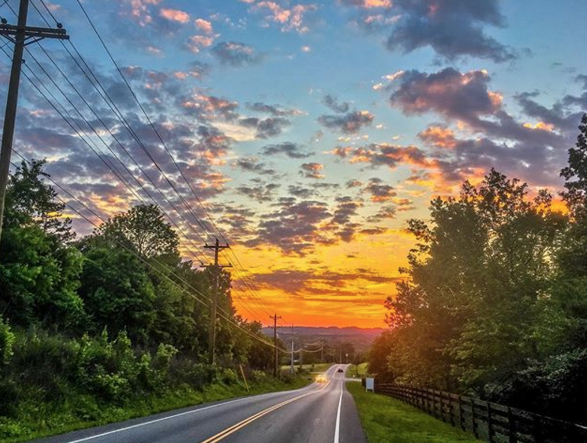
(108, 319)
(495, 296)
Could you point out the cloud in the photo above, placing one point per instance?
(300, 191)
(261, 193)
(174, 15)
(354, 184)
(196, 43)
(387, 212)
(320, 281)
(252, 164)
(291, 19)
(341, 221)
(203, 26)
(274, 110)
(198, 69)
(335, 105)
(236, 54)
(312, 170)
(379, 191)
(439, 137)
(367, 4)
(463, 96)
(266, 128)
(453, 28)
(350, 123)
(383, 154)
(347, 121)
(209, 107)
(294, 228)
(291, 150)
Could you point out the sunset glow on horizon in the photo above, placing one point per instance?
(312, 131)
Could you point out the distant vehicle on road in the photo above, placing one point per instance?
(340, 370)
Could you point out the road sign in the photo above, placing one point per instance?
(370, 384)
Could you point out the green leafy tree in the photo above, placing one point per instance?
(575, 173)
(30, 200)
(117, 292)
(570, 288)
(142, 229)
(39, 272)
(467, 314)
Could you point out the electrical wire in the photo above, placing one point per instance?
(164, 275)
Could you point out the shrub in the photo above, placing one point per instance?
(6, 342)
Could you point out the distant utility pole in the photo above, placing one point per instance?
(21, 35)
(214, 302)
(291, 368)
(276, 356)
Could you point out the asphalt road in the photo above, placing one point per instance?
(319, 413)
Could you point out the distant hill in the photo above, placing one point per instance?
(333, 336)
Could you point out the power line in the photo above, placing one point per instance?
(110, 102)
(110, 166)
(119, 70)
(164, 275)
(21, 35)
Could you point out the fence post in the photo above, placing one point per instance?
(511, 426)
(461, 422)
(473, 419)
(537, 429)
(489, 426)
(451, 409)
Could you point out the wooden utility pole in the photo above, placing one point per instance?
(21, 35)
(291, 368)
(276, 356)
(216, 268)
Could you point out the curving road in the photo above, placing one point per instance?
(319, 413)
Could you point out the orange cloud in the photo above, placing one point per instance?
(439, 136)
(174, 15)
(203, 25)
(197, 42)
(541, 126)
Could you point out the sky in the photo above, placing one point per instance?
(310, 132)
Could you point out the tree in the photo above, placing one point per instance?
(570, 288)
(467, 314)
(30, 200)
(39, 273)
(143, 230)
(575, 173)
(117, 292)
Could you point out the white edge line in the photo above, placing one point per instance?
(193, 411)
(138, 425)
(337, 426)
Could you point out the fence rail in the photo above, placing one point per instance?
(491, 422)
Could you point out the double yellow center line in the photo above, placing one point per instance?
(232, 429)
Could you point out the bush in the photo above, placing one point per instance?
(6, 342)
(227, 376)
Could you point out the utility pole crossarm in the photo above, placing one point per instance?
(34, 32)
(216, 267)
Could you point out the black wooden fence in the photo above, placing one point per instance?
(487, 421)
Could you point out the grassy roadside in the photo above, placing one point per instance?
(43, 420)
(358, 371)
(387, 420)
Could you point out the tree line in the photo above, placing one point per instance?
(494, 298)
(110, 316)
